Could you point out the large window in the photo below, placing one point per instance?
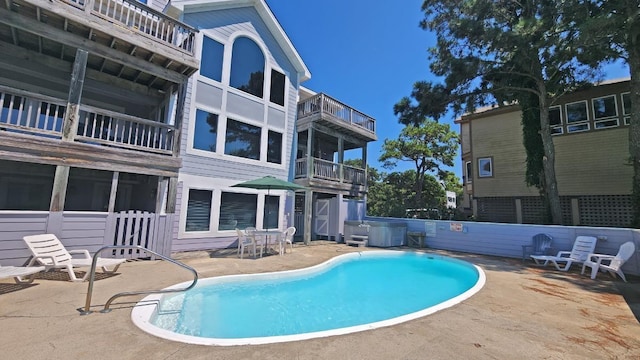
(577, 118)
(242, 140)
(247, 67)
(206, 131)
(237, 211)
(274, 148)
(276, 94)
(605, 112)
(212, 55)
(555, 120)
(198, 210)
(271, 211)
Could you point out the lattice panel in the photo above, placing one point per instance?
(497, 209)
(533, 210)
(605, 210)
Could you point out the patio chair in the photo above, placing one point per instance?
(17, 272)
(287, 238)
(613, 264)
(255, 241)
(540, 245)
(245, 241)
(582, 247)
(49, 252)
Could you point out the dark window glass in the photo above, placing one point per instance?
(604, 107)
(554, 116)
(25, 186)
(88, 190)
(242, 140)
(276, 95)
(271, 211)
(206, 131)
(212, 55)
(626, 103)
(577, 112)
(198, 210)
(237, 211)
(247, 67)
(274, 148)
(469, 173)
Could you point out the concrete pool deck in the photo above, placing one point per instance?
(523, 312)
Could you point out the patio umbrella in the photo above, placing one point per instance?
(269, 183)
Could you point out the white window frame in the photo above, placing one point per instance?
(607, 121)
(468, 168)
(627, 116)
(482, 160)
(579, 125)
(556, 129)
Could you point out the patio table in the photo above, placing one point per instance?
(267, 237)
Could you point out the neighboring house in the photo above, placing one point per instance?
(590, 135)
(239, 122)
(91, 96)
(327, 130)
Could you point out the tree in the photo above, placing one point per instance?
(427, 145)
(394, 194)
(612, 31)
(493, 51)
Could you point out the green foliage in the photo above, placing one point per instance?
(427, 145)
(394, 193)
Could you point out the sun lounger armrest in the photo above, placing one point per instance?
(81, 251)
(563, 253)
(43, 257)
(599, 258)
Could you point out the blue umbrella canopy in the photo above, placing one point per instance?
(269, 183)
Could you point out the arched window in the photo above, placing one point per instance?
(247, 67)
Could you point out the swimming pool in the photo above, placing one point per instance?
(349, 293)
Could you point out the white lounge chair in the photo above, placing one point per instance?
(17, 272)
(582, 247)
(287, 238)
(48, 251)
(612, 263)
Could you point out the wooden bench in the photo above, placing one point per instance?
(359, 240)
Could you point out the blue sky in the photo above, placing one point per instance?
(366, 54)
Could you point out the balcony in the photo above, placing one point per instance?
(329, 171)
(125, 39)
(33, 114)
(333, 114)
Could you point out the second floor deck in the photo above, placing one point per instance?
(125, 38)
(334, 114)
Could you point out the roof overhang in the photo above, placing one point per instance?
(194, 6)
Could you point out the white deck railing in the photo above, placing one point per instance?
(143, 19)
(324, 104)
(35, 114)
(327, 170)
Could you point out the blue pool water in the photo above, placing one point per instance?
(352, 292)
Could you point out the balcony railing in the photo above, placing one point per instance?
(324, 104)
(142, 19)
(35, 114)
(327, 170)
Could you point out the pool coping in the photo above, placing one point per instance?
(146, 308)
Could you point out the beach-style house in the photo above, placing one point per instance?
(590, 133)
(239, 122)
(92, 94)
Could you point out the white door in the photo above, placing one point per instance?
(322, 217)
